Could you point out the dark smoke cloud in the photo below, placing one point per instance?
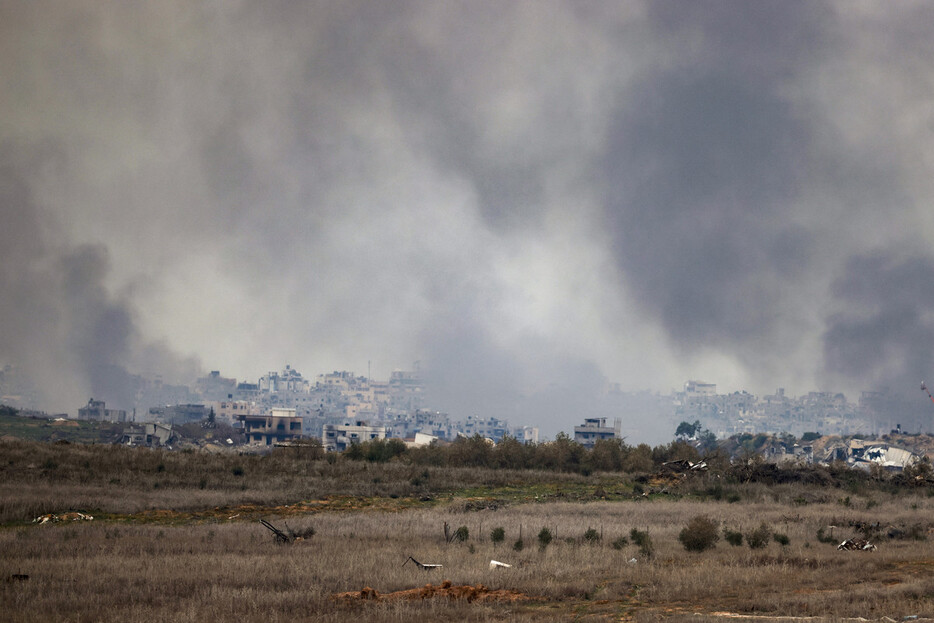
(702, 173)
(706, 161)
(720, 167)
(72, 338)
(532, 199)
(884, 334)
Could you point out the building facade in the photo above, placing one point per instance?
(339, 437)
(595, 429)
(277, 426)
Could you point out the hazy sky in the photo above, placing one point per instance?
(526, 197)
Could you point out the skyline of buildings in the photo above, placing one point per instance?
(399, 405)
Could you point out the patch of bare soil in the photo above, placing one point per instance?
(445, 590)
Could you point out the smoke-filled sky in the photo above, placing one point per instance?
(529, 198)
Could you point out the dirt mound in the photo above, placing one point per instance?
(446, 590)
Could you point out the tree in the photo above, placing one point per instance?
(638, 459)
(472, 451)
(562, 454)
(606, 455)
(706, 441)
(688, 431)
(510, 453)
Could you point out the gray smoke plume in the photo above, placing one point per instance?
(72, 338)
(532, 199)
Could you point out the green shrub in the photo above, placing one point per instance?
(733, 537)
(700, 534)
(518, 546)
(620, 543)
(781, 539)
(544, 538)
(461, 534)
(498, 535)
(825, 538)
(716, 492)
(759, 538)
(644, 541)
(591, 535)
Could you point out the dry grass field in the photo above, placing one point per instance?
(183, 542)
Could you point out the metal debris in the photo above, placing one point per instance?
(281, 537)
(53, 518)
(684, 465)
(495, 564)
(287, 536)
(857, 545)
(421, 565)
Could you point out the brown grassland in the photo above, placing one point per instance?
(176, 537)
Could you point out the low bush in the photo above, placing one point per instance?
(824, 538)
(733, 537)
(461, 534)
(544, 538)
(644, 541)
(620, 543)
(700, 534)
(759, 538)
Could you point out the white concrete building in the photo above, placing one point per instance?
(339, 437)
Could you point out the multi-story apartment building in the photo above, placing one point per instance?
(339, 437)
(594, 429)
(276, 426)
(229, 410)
(490, 428)
(289, 380)
(96, 410)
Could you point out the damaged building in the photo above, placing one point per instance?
(97, 411)
(863, 454)
(339, 437)
(151, 434)
(277, 426)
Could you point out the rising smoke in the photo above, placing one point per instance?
(532, 199)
